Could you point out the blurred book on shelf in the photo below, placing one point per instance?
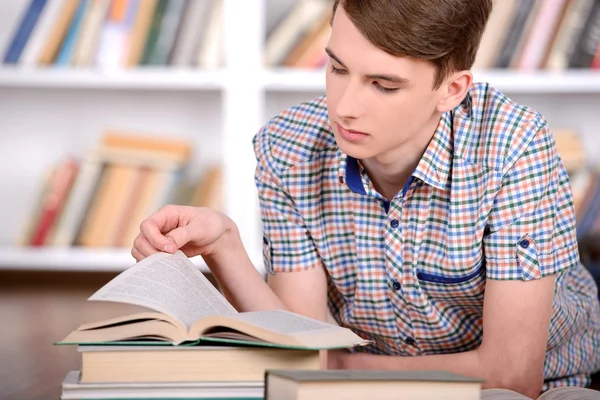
(541, 34)
(585, 184)
(522, 35)
(100, 199)
(117, 33)
(299, 39)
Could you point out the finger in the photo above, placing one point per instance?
(152, 228)
(137, 255)
(179, 237)
(144, 246)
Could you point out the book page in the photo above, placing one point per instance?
(169, 283)
(281, 328)
(284, 322)
(502, 394)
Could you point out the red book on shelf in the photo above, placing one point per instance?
(52, 205)
(596, 62)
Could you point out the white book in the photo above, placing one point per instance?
(114, 39)
(73, 389)
(90, 33)
(210, 53)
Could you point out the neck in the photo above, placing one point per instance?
(389, 172)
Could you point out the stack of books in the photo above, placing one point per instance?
(193, 344)
(100, 199)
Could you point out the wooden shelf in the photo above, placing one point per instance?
(72, 259)
(143, 78)
(573, 81)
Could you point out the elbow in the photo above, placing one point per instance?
(515, 374)
(528, 385)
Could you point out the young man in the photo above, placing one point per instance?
(427, 213)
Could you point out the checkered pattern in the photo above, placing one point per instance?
(490, 199)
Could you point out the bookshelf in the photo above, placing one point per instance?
(48, 112)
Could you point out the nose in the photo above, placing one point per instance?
(349, 105)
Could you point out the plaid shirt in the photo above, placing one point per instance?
(489, 199)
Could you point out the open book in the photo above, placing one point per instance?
(190, 310)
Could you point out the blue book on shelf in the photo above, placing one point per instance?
(68, 45)
(23, 31)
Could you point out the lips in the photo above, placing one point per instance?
(350, 135)
(340, 127)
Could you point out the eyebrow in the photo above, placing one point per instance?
(384, 77)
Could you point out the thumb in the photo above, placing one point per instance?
(178, 237)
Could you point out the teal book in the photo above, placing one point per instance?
(185, 309)
(68, 46)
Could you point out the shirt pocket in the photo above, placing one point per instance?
(463, 289)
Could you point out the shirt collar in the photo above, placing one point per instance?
(434, 166)
(349, 173)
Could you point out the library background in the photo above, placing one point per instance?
(112, 108)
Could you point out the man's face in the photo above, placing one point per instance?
(389, 99)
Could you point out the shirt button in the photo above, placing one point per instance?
(524, 243)
(396, 285)
(395, 223)
(410, 341)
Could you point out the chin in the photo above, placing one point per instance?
(355, 151)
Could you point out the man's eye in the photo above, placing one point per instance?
(338, 71)
(384, 89)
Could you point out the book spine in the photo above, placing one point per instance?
(68, 46)
(154, 32)
(22, 34)
(589, 40)
(516, 31)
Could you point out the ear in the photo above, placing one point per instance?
(454, 89)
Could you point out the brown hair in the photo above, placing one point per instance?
(444, 32)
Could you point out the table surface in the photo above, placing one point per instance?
(38, 309)
(35, 312)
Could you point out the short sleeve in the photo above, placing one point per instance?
(287, 244)
(531, 227)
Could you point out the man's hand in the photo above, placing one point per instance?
(343, 359)
(196, 231)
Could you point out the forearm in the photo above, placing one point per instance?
(471, 363)
(241, 283)
(468, 363)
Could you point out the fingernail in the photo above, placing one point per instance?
(168, 248)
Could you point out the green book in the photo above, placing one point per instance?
(154, 32)
(185, 309)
